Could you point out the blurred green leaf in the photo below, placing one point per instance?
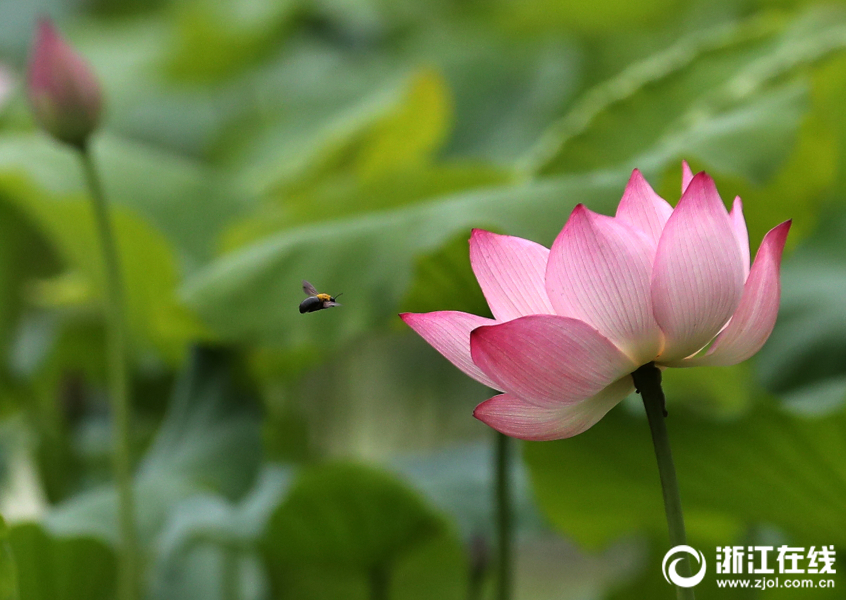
(713, 391)
(210, 435)
(41, 181)
(343, 524)
(350, 516)
(459, 480)
(219, 39)
(8, 571)
(55, 567)
(444, 280)
(802, 361)
(234, 295)
(535, 16)
(396, 127)
(812, 173)
(345, 195)
(753, 139)
(723, 95)
(187, 202)
(252, 294)
(409, 134)
(797, 190)
(829, 89)
(207, 540)
(209, 571)
(24, 254)
(209, 440)
(764, 468)
(502, 106)
(130, 56)
(389, 393)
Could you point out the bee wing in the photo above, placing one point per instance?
(328, 304)
(309, 289)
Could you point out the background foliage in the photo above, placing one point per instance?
(249, 145)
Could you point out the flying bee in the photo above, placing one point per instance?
(315, 301)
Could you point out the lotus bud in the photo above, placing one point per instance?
(63, 91)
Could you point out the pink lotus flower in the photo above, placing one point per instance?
(652, 284)
(64, 93)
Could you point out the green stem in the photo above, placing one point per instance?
(503, 517)
(128, 578)
(478, 555)
(379, 583)
(231, 574)
(647, 380)
(474, 587)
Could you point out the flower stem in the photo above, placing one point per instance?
(379, 583)
(118, 383)
(503, 516)
(230, 573)
(479, 558)
(647, 380)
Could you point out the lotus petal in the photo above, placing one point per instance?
(510, 271)
(752, 323)
(599, 272)
(548, 360)
(448, 332)
(697, 278)
(518, 418)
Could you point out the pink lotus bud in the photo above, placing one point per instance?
(64, 93)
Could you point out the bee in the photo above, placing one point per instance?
(315, 301)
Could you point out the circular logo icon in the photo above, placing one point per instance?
(670, 572)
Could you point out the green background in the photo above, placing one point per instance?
(248, 145)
